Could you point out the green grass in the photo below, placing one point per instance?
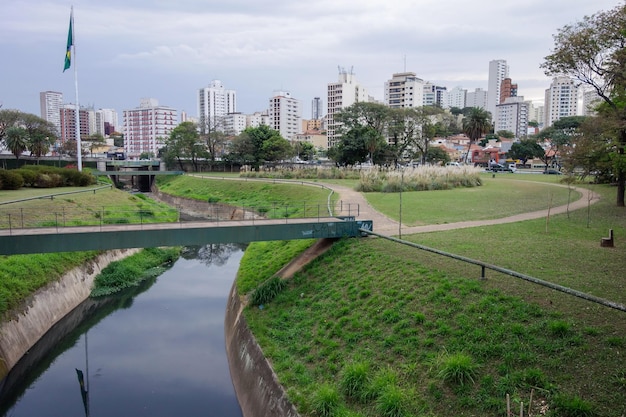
(438, 340)
(494, 199)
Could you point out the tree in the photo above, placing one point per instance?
(95, 141)
(304, 150)
(592, 51)
(16, 140)
(184, 144)
(526, 149)
(354, 147)
(256, 145)
(212, 133)
(372, 115)
(436, 155)
(476, 123)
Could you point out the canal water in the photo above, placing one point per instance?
(156, 351)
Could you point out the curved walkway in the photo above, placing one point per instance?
(386, 226)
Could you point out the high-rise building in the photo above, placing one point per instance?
(434, 95)
(507, 89)
(257, 119)
(316, 108)
(215, 102)
(344, 93)
(68, 123)
(561, 100)
(234, 123)
(591, 99)
(498, 71)
(147, 126)
(50, 103)
(456, 98)
(476, 98)
(404, 89)
(512, 116)
(285, 114)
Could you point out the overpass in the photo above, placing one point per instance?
(104, 237)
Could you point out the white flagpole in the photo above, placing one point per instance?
(79, 151)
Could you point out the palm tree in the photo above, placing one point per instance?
(16, 140)
(476, 123)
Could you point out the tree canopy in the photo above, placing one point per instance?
(593, 52)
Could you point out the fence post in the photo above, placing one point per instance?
(21, 217)
(482, 273)
(10, 229)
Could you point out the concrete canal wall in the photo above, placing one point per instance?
(40, 311)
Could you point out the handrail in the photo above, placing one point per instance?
(51, 196)
(484, 266)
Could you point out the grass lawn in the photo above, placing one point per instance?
(376, 328)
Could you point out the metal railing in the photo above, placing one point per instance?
(484, 266)
(72, 215)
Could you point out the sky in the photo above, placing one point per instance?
(127, 50)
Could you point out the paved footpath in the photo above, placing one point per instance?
(387, 226)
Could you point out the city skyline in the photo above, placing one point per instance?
(127, 51)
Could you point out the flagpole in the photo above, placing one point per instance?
(79, 150)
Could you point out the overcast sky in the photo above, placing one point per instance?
(168, 50)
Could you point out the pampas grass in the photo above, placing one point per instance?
(423, 178)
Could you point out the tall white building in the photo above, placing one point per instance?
(498, 71)
(456, 98)
(257, 119)
(50, 103)
(147, 127)
(591, 99)
(476, 98)
(512, 115)
(235, 123)
(434, 95)
(344, 93)
(561, 100)
(215, 102)
(404, 89)
(285, 114)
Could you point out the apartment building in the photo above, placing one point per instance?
(498, 71)
(215, 102)
(404, 90)
(285, 114)
(561, 100)
(343, 93)
(147, 127)
(50, 103)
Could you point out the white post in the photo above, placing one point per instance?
(79, 150)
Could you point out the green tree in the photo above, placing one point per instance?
(256, 145)
(592, 51)
(184, 144)
(16, 140)
(355, 145)
(436, 155)
(304, 150)
(476, 123)
(526, 149)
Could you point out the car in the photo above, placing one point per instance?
(499, 168)
(552, 172)
(453, 164)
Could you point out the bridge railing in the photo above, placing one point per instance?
(71, 215)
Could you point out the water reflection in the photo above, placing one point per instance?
(157, 350)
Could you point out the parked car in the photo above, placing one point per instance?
(499, 168)
(552, 172)
(453, 164)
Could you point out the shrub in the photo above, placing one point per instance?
(11, 180)
(29, 176)
(50, 180)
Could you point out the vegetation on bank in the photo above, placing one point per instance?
(21, 275)
(375, 328)
(131, 271)
(43, 176)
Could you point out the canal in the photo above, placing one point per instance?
(156, 351)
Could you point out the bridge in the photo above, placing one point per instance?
(61, 234)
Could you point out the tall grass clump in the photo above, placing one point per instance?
(391, 402)
(457, 368)
(355, 379)
(567, 406)
(423, 178)
(325, 401)
(267, 291)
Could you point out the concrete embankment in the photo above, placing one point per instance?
(40, 311)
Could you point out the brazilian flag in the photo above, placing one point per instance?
(70, 42)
